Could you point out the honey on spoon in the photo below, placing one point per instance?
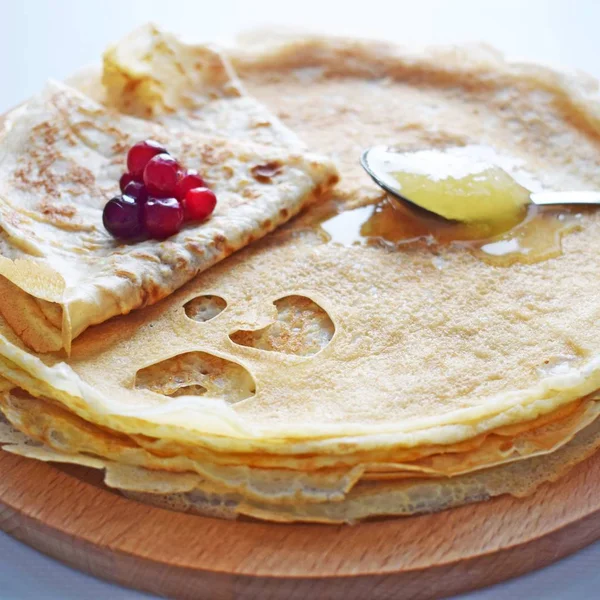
(458, 186)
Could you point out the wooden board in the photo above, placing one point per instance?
(190, 557)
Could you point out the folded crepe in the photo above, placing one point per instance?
(60, 160)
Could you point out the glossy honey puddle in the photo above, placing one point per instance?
(535, 236)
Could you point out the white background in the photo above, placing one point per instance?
(42, 39)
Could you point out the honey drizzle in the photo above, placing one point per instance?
(534, 238)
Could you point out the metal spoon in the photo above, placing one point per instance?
(538, 198)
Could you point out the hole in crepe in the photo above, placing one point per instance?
(198, 374)
(204, 308)
(302, 328)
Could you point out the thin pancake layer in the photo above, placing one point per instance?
(315, 386)
(189, 493)
(367, 93)
(372, 499)
(64, 432)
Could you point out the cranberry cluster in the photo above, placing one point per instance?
(157, 195)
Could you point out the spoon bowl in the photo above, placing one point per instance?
(373, 161)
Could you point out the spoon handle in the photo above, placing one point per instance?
(565, 198)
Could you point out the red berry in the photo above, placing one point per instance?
(199, 203)
(126, 178)
(137, 191)
(163, 217)
(189, 180)
(161, 175)
(139, 155)
(122, 217)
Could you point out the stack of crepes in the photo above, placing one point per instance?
(302, 378)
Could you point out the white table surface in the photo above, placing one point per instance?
(40, 39)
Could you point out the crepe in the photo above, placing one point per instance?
(358, 361)
(60, 162)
